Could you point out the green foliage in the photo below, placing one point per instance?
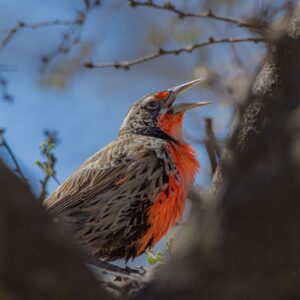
(47, 166)
(153, 259)
(46, 148)
(160, 256)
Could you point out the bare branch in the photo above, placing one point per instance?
(4, 90)
(71, 37)
(5, 145)
(23, 25)
(212, 147)
(170, 7)
(162, 52)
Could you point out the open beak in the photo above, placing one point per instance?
(175, 91)
(183, 87)
(187, 106)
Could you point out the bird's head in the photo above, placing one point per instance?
(157, 114)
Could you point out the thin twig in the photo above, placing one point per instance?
(4, 90)
(70, 37)
(115, 270)
(23, 25)
(162, 52)
(212, 147)
(170, 7)
(5, 145)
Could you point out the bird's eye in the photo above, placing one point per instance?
(153, 104)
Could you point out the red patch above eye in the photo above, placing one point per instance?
(162, 95)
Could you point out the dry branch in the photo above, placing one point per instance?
(5, 145)
(10, 33)
(163, 52)
(170, 7)
(212, 146)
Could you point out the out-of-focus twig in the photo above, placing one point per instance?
(170, 7)
(212, 146)
(162, 52)
(71, 37)
(6, 96)
(48, 166)
(10, 33)
(4, 144)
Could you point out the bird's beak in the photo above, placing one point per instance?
(187, 106)
(183, 87)
(175, 91)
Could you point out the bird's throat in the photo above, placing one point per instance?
(171, 124)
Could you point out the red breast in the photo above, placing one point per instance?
(169, 205)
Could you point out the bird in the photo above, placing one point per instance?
(123, 199)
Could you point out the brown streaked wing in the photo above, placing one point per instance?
(100, 174)
(107, 198)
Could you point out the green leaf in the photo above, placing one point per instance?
(155, 258)
(151, 260)
(39, 164)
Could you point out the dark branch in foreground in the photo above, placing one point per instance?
(162, 52)
(170, 7)
(38, 259)
(4, 144)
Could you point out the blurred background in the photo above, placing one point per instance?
(45, 86)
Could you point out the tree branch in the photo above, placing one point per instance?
(170, 7)
(4, 144)
(69, 39)
(212, 147)
(4, 90)
(162, 52)
(23, 25)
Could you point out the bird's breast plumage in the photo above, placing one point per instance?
(169, 204)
